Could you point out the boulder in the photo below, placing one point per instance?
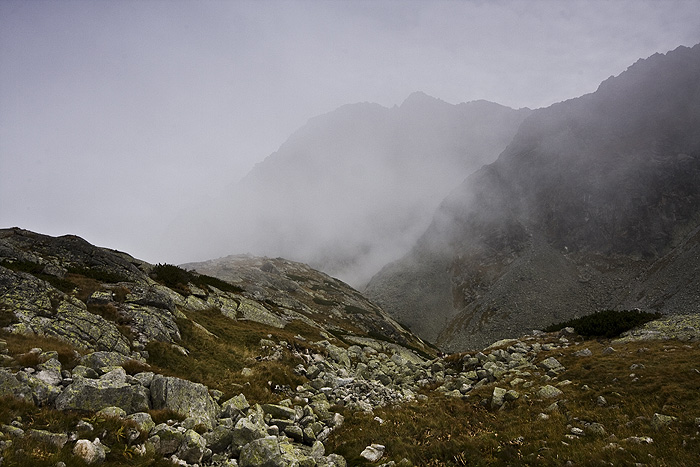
(659, 421)
(144, 421)
(549, 392)
(263, 452)
(184, 397)
(498, 397)
(219, 439)
(101, 359)
(235, 407)
(54, 440)
(373, 452)
(90, 452)
(253, 311)
(50, 372)
(192, 448)
(96, 394)
(165, 439)
(279, 411)
(249, 429)
(551, 364)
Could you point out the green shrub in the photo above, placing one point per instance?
(98, 274)
(171, 276)
(177, 279)
(607, 323)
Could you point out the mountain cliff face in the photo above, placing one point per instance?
(354, 189)
(594, 204)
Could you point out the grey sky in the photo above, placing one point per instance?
(115, 116)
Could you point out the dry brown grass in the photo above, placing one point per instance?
(20, 344)
(450, 432)
(217, 359)
(28, 452)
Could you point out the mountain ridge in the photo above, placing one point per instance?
(600, 185)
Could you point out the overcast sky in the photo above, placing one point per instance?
(115, 116)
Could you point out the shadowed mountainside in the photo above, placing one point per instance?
(593, 205)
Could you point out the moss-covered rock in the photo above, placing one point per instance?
(185, 397)
(96, 394)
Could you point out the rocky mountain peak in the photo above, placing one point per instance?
(591, 196)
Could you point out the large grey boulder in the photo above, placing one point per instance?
(166, 439)
(235, 407)
(103, 359)
(11, 386)
(91, 452)
(96, 394)
(263, 452)
(184, 397)
(43, 394)
(192, 448)
(248, 429)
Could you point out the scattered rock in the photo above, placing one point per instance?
(659, 421)
(549, 392)
(90, 452)
(373, 452)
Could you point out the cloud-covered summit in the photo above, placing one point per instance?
(354, 188)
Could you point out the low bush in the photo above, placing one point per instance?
(98, 274)
(177, 279)
(607, 323)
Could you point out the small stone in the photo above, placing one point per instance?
(659, 421)
(639, 440)
(91, 452)
(583, 353)
(498, 397)
(595, 429)
(373, 452)
(549, 392)
(601, 401)
(112, 412)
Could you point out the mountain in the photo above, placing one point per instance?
(353, 189)
(594, 204)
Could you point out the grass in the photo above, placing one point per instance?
(217, 360)
(20, 344)
(29, 452)
(454, 432)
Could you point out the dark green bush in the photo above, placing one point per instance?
(171, 276)
(177, 278)
(607, 323)
(98, 274)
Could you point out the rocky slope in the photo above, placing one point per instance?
(103, 358)
(115, 312)
(354, 188)
(593, 205)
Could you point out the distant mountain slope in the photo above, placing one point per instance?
(354, 188)
(594, 204)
